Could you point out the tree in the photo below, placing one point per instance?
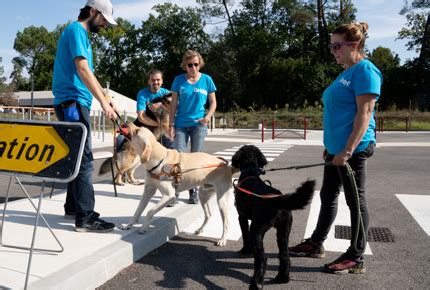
(36, 47)
(115, 55)
(18, 81)
(417, 14)
(2, 78)
(389, 64)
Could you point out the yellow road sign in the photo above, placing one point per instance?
(30, 148)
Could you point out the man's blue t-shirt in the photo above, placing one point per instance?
(191, 99)
(145, 95)
(66, 84)
(340, 105)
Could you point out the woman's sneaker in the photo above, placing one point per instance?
(307, 248)
(345, 265)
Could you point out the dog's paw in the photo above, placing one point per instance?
(245, 251)
(143, 230)
(125, 226)
(198, 231)
(137, 182)
(119, 183)
(254, 285)
(282, 278)
(221, 243)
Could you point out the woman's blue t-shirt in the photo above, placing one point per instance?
(191, 99)
(340, 105)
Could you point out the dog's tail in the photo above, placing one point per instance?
(106, 166)
(301, 197)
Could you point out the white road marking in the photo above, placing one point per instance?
(232, 153)
(342, 218)
(403, 144)
(264, 151)
(228, 157)
(419, 207)
(214, 227)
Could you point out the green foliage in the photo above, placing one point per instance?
(2, 78)
(271, 56)
(36, 46)
(126, 53)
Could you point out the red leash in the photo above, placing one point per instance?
(263, 196)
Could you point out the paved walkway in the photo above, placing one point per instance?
(88, 259)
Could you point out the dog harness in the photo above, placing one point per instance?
(174, 171)
(263, 196)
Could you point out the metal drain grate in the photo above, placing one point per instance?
(374, 234)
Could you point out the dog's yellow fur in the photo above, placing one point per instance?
(213, 180)
(127, 161)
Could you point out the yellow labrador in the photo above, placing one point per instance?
(211, 174)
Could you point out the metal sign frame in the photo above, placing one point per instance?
(63, 179)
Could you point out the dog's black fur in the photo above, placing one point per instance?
(265, 213)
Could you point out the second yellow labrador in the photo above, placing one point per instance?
(170, 171)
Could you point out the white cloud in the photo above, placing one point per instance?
(20, 18)
(140, 10)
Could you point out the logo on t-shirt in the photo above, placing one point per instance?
(201, 91)
(344, 82)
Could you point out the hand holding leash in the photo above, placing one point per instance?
(110, 110)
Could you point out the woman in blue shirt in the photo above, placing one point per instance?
(188, 117)
(349, 136)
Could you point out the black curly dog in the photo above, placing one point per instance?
(266, 207)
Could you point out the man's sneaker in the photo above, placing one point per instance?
(193, 196)
(307, 248)
(95, 225)
(345, 265)
(70, 215)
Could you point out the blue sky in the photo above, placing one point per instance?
(382, 15)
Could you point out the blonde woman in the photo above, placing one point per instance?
(190, 93)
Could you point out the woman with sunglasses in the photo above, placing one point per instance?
(349, 136)
(190, 93)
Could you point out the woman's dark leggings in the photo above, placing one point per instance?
(334, 177)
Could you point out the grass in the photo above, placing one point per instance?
(284, 118)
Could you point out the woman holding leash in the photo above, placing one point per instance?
(189, 119)
(349, 136)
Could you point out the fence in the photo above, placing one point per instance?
(278, 122)
(99, 123)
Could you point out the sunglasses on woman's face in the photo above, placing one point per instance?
(193, 64)
(338, 45)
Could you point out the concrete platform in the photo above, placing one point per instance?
(88, 259)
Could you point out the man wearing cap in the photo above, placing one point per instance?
(74, 86)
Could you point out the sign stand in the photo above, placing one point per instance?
(63, 143)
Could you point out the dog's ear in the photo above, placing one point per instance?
(146, 153)
(237, 157)
(133, 129)
(261, 159)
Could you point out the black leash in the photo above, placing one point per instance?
(300, 166)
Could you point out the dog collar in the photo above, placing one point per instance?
(156, 166)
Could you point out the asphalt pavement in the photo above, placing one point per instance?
(398, 199)
(397, 174)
